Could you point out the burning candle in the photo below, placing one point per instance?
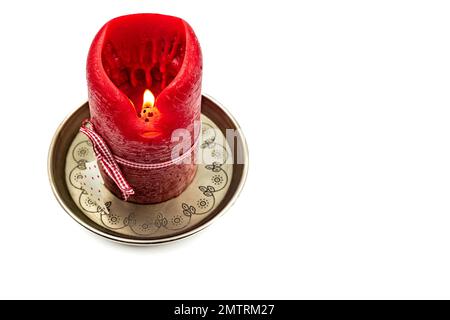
(144, 76)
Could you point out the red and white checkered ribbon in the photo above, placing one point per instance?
(110, 162)
(106, 158)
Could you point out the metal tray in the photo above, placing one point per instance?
(79, 188)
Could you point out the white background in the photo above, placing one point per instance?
(346, 109)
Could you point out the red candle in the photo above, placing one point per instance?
(144, 76)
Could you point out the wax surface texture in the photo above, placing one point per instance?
(132, 54)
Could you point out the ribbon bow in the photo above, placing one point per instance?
(106, 158)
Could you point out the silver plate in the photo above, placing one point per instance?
(78, 186)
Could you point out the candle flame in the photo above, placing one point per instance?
(149, 99)
(148, 113)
